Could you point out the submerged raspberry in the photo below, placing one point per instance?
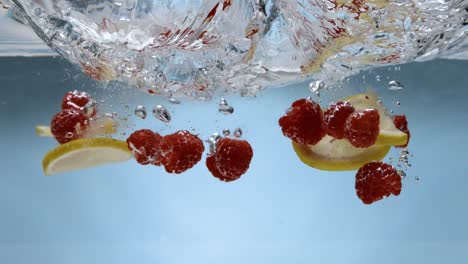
(231, 159)
(401, 123)
(78, 101)
(377, 180)
(335, 119)
(145, 145)
(68, 125)
(362, 128)
(303, 123)
(181, 151)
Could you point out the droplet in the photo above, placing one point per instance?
(161, 113)
(395, 85)
(316, 86)
(238, 132)
(226, 132)
(174, 101)
(378, 78)
(140, 111)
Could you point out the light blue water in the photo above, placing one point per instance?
(281, 211)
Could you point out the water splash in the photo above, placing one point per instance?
(193, 48)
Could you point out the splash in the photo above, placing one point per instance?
(197, 48)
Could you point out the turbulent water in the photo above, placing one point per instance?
(196, 48)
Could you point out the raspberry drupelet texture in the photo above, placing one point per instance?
(68, 125)
(377, 180)
(362, 128)
(335, 118)
(303, 123)
(145, 145)
(231, 159)
(181, 151)
(78, 101)
(401, 123)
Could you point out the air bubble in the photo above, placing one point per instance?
(238, 132)
(224, 107)
(174, 101)
(69, 135)
(212, 140)
(226, 132)
(140, 111)
(395, 85)
(378, 78)
(316, 86)
(161, 113)
(90, 108)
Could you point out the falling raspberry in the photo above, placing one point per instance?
(303, 123)
(181, 151)
(377, 180)
(335, 118)
(68, 125)
(401, 123)
(231, 159)
(362, 128)
(145, 145)
(79, 101)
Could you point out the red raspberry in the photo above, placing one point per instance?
(303, 123)
(335, 117)
(181, 151)
(77, 100)
(145, 145)
(377, 180)
(68, 125)
(231, 160)
(362, 128)
(213, 168)
(401, 123)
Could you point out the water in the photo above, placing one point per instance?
(200, 48)
(281, 211)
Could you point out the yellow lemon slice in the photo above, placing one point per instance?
(339, 155)
(85, 153)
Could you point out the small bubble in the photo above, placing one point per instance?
(396, 103)
(212, 140)
(238, 132)
(223, 103)
(224, 107)
(402, 173)
(161, 113)
(395, 85)
(140, 111)
(90, 108)
(378, 78)
(226, 132)
(114, 115)
(174, 101)
(69, 135)
(416, 178)
(316, 86)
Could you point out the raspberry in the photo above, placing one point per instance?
(78, 101)
(377, 180)
(181, 151)
(303, 123)
(231, 160)
(145, 145)
(362, 128)
(213, 168)
(401, 123)
(335, 117)
(68, 125)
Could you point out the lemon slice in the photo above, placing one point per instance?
(85, 153)
(389, 134)
(339, 155)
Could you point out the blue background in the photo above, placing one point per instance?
(281, 211)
